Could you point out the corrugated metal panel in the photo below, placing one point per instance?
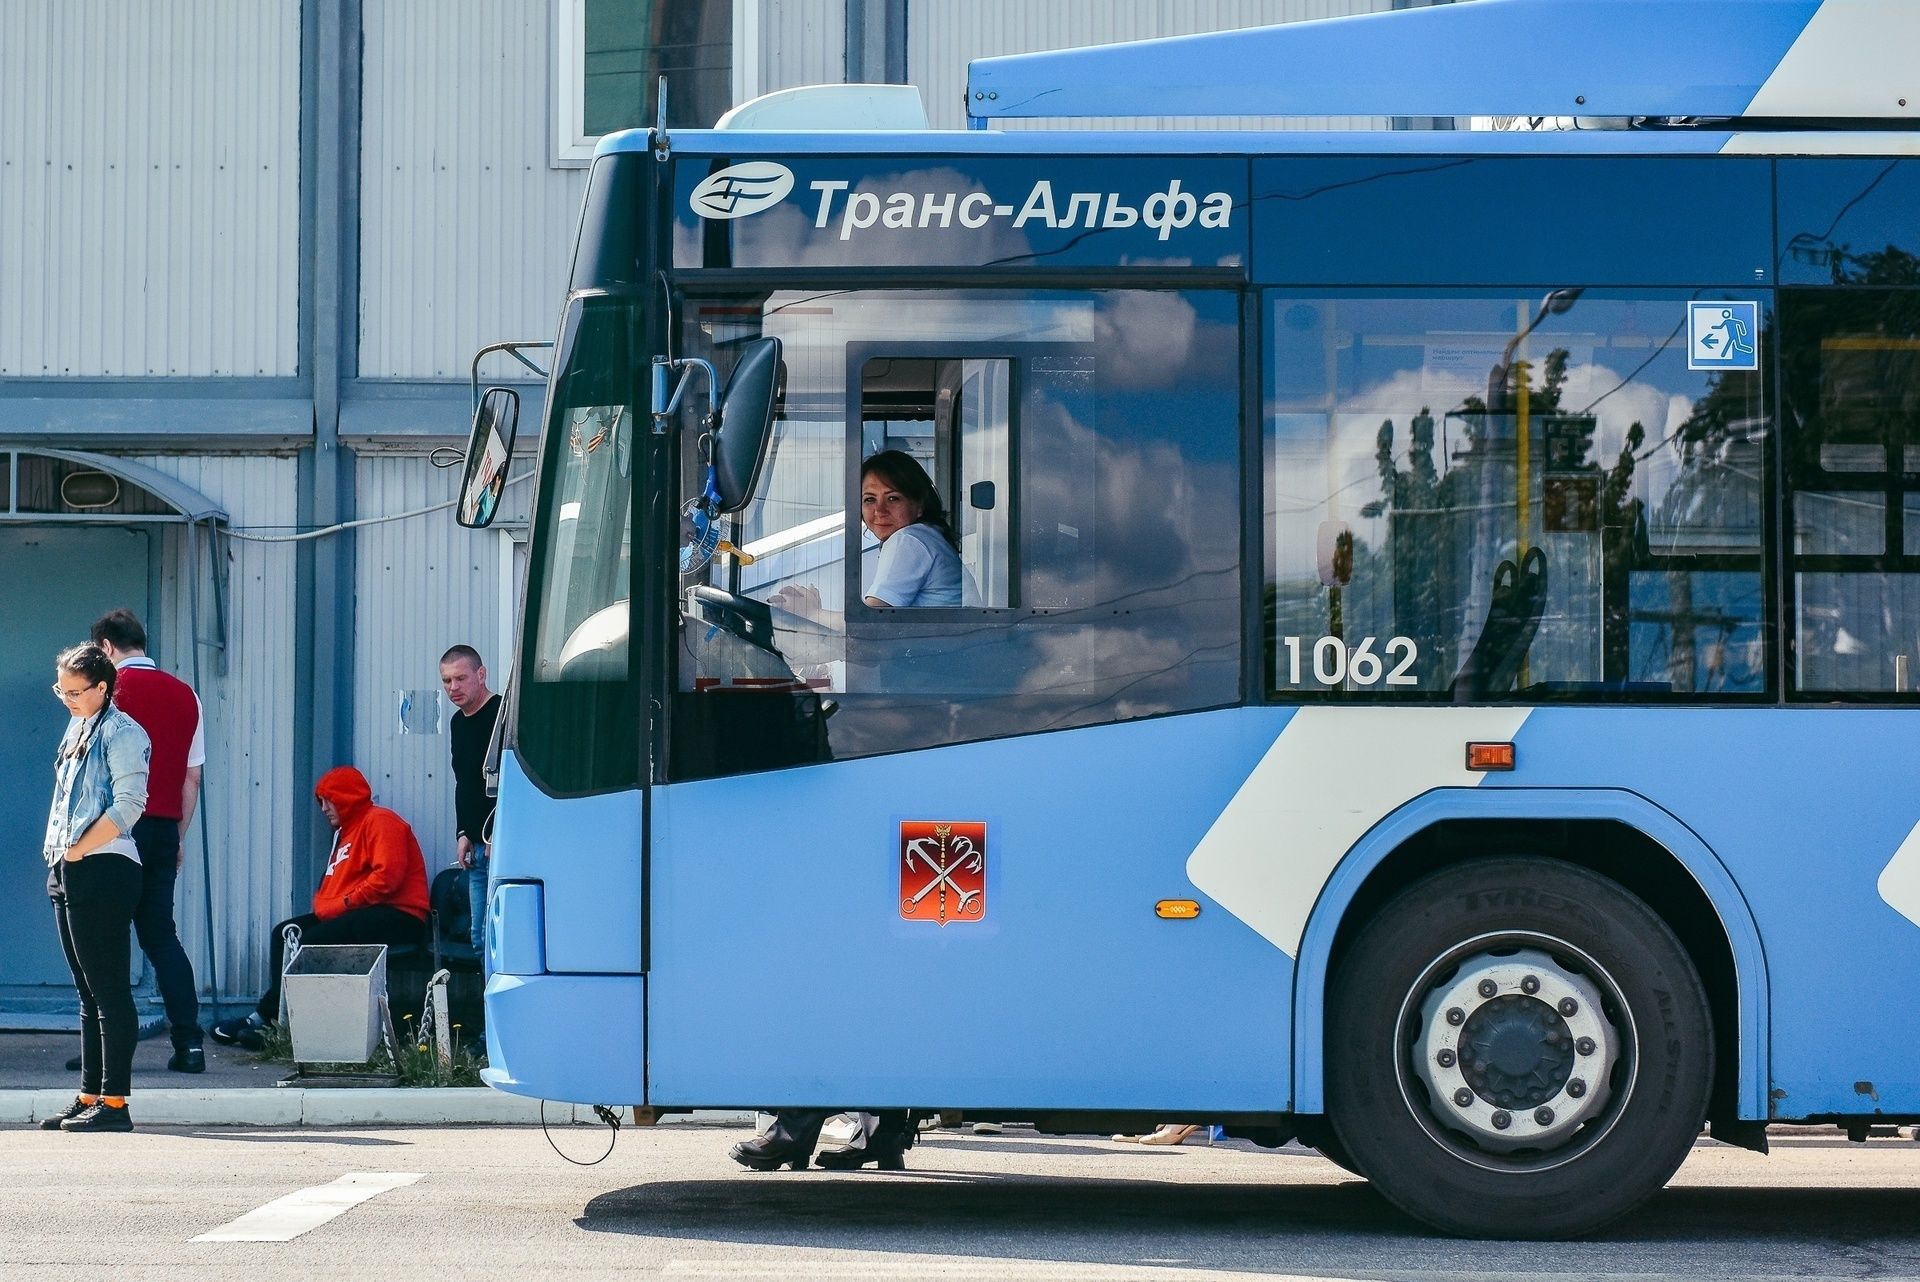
(802, 42)
(424, 584)
(942, 35)
(465, 231)
(247, 805)
(149, 187)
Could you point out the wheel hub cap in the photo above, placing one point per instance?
(1515, 1050)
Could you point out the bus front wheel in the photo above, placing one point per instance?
(1517, 1048)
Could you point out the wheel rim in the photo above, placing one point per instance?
(1516, 1051)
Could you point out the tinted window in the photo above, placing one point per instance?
(1108, 591)
(1852, 424)
(1849, 221)
(1448, 220)
(1509, 497)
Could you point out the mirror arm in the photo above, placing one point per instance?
(663, 370)
(513, 349)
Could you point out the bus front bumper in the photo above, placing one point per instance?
(574, 1038)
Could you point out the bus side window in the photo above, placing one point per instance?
(953, 416)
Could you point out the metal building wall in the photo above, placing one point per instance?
(801, 42)
(425, 584)
(466, 231)
(149, 188)
(942, 35)
(249, 785)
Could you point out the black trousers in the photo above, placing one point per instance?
(93, 904)
(158, 841)
(379, 924)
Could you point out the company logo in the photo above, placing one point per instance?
(739, 190)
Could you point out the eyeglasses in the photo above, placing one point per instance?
(68, 696)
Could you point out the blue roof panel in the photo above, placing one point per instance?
(1490, 57)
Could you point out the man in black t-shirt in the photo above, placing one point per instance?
(464, 678)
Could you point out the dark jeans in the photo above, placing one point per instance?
(93, 904)
(159, 843)
(376, 925)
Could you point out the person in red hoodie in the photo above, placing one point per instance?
(374, 891)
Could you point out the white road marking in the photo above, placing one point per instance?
(288, 1217)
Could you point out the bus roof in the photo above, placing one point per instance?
(1329, 142)
(1753, 59)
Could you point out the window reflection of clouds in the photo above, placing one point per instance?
(1127, 444)
(1343, 374)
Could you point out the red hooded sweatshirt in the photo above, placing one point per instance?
(376, 858)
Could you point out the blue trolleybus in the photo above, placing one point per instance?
(1434, 666)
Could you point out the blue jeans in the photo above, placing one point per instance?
(477, 902)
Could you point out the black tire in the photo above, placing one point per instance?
(1420, 1148)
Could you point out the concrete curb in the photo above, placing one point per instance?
(336, 1107)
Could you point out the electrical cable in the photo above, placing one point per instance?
(323, 531)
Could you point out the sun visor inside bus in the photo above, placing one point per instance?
(1523, 220)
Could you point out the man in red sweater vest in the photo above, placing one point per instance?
(374, 891)
(169, 711)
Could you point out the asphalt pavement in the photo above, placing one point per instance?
(499, 1202)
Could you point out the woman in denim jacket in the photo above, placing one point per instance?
(93, 878)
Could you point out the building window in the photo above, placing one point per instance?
(610, 55)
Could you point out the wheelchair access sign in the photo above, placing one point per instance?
(1723, 335)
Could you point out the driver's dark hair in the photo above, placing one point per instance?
(902, 472)
(90, 661)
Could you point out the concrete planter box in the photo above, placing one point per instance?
(333, 1002)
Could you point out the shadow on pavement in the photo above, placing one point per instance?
(1280, 1228)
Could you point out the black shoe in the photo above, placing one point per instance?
(73, 1065)
(883, 1157)
(188, 1059)
(100, 1117)
(242, 1032)
(788, 1142)
(74, 1109)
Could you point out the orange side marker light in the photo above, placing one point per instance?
(1489, 756)
(1177, 909)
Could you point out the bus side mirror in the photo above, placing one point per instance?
(746, 422)
(489, 451)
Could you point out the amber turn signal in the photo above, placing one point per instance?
(1489, 756)
(1177, 909)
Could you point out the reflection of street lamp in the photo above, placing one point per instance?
(1555, 304)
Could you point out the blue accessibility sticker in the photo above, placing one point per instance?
(1723, 335)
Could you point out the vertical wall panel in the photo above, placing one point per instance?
(942, 35)
(466, 231)
(246, 806)
(149, 188)
(802, 42)
(424, 584)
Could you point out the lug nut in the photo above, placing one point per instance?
(1530, 985)
(1576, 1088)
(1456, 1016)
(1543, 1115)
(1584, 1046)
(1445, 1058)
(1569, 1007)
(1502, 1120)
(1463, 1097)
(1488, 988)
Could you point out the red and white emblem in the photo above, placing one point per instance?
(943, 872)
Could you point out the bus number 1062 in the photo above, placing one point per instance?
(1336, 663)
